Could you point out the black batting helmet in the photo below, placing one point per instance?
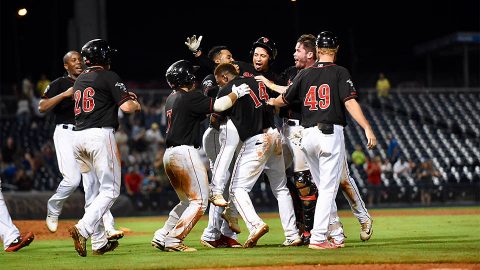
(268, 45)
(97, 52)
(327, 39)
(180, 74)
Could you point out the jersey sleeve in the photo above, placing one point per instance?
(346, 89)
(118, 88)
(201, 104)
(52, 90)
(293, 89)
(224, 91)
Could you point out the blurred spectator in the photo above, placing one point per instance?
(387, 169)
(10, 152)
(393, 149)
(425, 175)
(138, 136)
(133, 184)
(122, 142)
(23, 181)
(402, 167)
(358, 157)
(42, 84)
(27, 88)
(383, 86)
(374, 172)
(23, 110)
(154, 138)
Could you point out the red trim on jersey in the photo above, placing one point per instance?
(123, 100)
(350, 97)
(283, 99)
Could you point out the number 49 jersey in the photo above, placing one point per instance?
(322, 90)
(98, 94)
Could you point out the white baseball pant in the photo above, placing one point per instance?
(258, 153)
(68, 167)
(8, 231)
(213, 141)
(188, 176)
(96, 151)
(291, 140)
(350, 191)
(325, 156)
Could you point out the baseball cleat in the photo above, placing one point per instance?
(20, 242)
(229, 242)
(180, 248)
(338, 243)
(232, 220)
(366, 230)
(157, 244)
(213, 244)
(109, 246)
(114, 234)
(258, 232)
(79, 241)
(322, 245)
(293, 242)
(52, 223)
(218, 200)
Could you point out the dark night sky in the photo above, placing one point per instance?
(375, 36)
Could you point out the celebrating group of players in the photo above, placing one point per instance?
(260, 122)
(247, 138)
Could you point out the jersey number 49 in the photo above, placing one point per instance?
(323, 97)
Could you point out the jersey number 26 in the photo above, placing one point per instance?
(88, 103)
(323, 96)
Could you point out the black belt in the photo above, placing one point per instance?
(291, 123)
(324, 128)
(67, 127)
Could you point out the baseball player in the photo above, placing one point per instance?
(58, 98)
(98, 93)
(260, 151)
(218, 232)
(185, 109)
(305, 56)
(325, 90)
(9, 234)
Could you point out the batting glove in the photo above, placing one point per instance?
(193, 43)
(241, 90)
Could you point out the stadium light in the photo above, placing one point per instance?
(22, 12)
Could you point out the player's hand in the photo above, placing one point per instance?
(241, 90)
(68, 92)
(271, 101)
(133, 95)
(193, 43)
(261, 78)
(371, 139)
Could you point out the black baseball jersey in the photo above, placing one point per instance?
(210, 86)
(293, 110)
(63, 111)
(185, 111)
(248, 113)
(322, 90)
(98, 95)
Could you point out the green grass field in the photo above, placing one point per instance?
(396, 239)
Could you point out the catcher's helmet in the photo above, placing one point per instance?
(97, 52)
(268, 45)
(327, 39)
(180, 74)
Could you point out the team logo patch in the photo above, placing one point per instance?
(121, 86)
(349, 81)
(265, 40)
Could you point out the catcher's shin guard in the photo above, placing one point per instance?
(308, 194)
(297, 204)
